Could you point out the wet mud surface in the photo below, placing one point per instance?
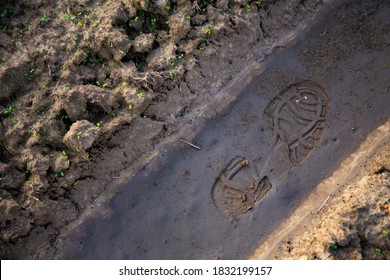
(290, 128)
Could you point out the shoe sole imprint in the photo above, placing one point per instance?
(297, 116)
(238, 187)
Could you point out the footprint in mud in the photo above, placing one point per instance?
(297, 117)
(238, 187)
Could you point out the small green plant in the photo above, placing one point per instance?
(168, 8)
(164, 129)
(30, 72)
(44, 18)
(63, 153)
(130, 107)
(61, 174)
(79, 135)
(43, 86)
(378, 250)
(6, 12)
(248, 8)
(201, 48)
(334, 246)
(167, 22)
(140, 94)
(208, 31)
(80, 24)
(7, 111)
(64, 67)
(385, 233)
(75, 38)
(99, 124)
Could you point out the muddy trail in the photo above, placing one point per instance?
(307, 109)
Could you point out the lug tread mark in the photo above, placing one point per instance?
(303, 106)
(235, 192)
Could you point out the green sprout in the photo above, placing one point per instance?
(385, 233)
(6, 12)
(44, 18)
(140, 94)
(30, 72)
(79, 135)
(7, 111)
(334, 246)
(61, 174)
(208, 31)
(378, 250)
(99, 124)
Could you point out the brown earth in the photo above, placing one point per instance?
(355, 223)
(89, 88)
